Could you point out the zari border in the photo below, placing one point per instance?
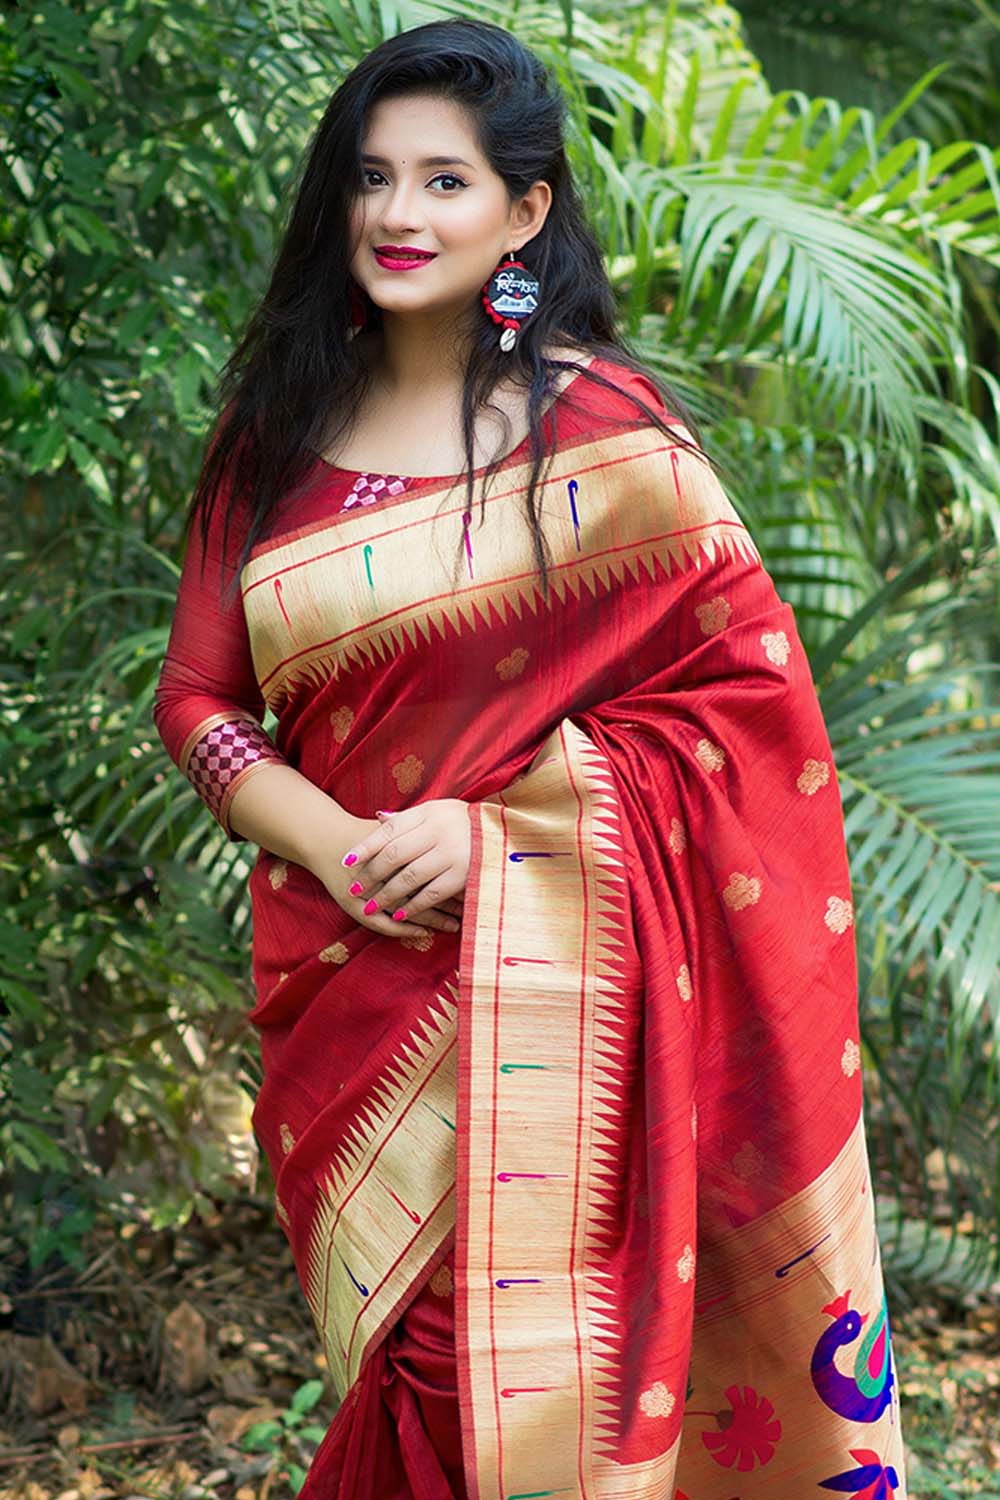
(541, 975)
(542, 981)
(387, 1202)
(639, 503)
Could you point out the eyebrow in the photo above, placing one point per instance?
(425, 161)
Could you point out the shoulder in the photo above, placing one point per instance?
(612, 396)
(619, 392)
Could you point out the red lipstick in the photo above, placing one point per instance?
(401, 257)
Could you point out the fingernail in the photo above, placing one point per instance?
(356, 888)
(399, 916)
(371, 907)
(349, 859)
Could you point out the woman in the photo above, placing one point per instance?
(552, 944)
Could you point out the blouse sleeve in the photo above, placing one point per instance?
(208, 706)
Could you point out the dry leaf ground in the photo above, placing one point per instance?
(146, 1373)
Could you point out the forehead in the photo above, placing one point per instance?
(417, 127)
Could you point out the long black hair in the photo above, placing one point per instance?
(295, 376)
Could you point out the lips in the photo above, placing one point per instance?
(402, 260)
(403, 252)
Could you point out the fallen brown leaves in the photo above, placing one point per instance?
(142, 1379)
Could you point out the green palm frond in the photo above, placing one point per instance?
(917, 757)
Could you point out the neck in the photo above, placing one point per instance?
(421, 351)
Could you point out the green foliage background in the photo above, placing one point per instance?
(801, 213)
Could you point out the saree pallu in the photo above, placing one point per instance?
(614, 1125)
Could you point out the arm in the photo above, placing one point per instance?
(288, 814)
(208, 709)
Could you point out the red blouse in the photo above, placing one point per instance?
(208, 707)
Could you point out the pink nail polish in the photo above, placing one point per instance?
(356, 888)
(371, 907)
(349, 859)
(400, 915)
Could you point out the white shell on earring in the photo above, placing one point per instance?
(508, 339)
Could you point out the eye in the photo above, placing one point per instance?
(449, 177)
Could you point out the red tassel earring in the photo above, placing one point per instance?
(510, 296)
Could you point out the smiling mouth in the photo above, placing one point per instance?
(402, 257)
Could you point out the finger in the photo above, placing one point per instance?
(418, 886)
(386, 927)
(397, 852)
(359, 853)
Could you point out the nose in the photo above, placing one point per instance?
(398, 213)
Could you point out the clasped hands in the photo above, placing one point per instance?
(414, 863)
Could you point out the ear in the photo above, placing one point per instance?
(531, 212)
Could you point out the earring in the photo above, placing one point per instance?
(510, 296)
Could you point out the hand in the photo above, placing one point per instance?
(437, 912)
(416, 860)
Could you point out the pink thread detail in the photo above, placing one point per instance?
(368, 488)
(222, 754)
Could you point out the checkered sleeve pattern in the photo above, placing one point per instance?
(222, 758)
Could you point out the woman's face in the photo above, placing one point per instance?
(457, 208)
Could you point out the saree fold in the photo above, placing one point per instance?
(625, 1098)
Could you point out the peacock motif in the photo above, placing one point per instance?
(865, 1397)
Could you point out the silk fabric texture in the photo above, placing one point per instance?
(579, 1196)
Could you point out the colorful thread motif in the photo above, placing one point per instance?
(360, 1286)
(573, 488)
(369, 488)
(865, 1397)
(542, 1494)
(450, 1123)
(533, 1176)
(410, 1213)
(466, 519)
(748, 1434)
(784, 1270)
(872, 1481)
(281, 604)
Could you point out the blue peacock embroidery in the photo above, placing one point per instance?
(865, 1397)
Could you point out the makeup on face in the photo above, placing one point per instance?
(402, 257)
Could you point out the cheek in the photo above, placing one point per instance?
(468, 226)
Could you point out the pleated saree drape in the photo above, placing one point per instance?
(579, 1196)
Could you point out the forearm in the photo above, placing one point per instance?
(290, 816)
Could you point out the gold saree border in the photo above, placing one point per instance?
(538, 1368)
(539, 1376)
(639, 503)
(387, 1203)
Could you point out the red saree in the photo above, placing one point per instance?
(579, 1195)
